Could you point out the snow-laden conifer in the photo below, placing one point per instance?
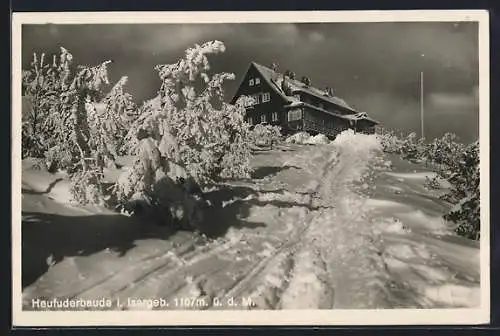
(186, 135)
(64, 125)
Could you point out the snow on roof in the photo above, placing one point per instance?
(342, 116)
(360, 116)
(299, 86)
(295, 104)
(275, 79)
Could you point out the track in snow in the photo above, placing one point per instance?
(299, 235)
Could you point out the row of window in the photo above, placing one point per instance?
(292, 115)
(260, 98)
(263, 118)
(254, 81)
(322, 122)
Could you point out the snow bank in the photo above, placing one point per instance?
(390, 225)
(346, 138)
(357, 152)
(375, 203)
(303, 138)
(454, 295)
(431, 224)
(413, 176)
(41, 182)
(319, 139)
(298, 138)
(357, 141)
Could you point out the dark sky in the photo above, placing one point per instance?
(375, 67)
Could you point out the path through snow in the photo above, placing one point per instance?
(314, 228)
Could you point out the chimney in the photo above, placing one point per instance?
(290, 74)
(285, 87)
(328, 92)
(275, 67)
(306, 81)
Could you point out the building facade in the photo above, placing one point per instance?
(295, 105)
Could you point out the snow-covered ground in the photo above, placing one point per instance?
(331, 225)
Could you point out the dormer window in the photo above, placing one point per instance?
(257, 81)
(251, 82)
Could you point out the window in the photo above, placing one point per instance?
(295, 114)
(250, 82)
(263, 118)
(256, 99)
(274, 116)
(248, 102)
(250, 120)
(257, 81)
(266, 97)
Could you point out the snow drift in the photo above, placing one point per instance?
(304, 138)
(298, 138)
(319, 139)
(330, 233)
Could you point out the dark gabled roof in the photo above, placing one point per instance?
(272, 76)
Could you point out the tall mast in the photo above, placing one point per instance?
(422, 103)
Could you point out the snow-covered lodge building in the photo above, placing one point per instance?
(295, 105)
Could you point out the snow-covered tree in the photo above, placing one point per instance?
(390, 142)
(120, 111)
(186, 133)
(266, 135)
(465, 190)
(453, 161)
(75, 136)
(444, 152)
(73, 89)
(408, 146)
(191, 123)
(41, 86)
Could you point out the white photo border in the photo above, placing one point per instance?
(353, 317)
